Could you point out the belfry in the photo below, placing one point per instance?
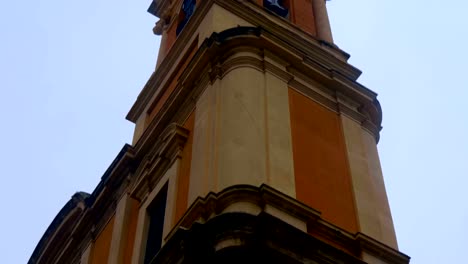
(253, 143)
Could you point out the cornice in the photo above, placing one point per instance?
(207, 209)
(265, 18)
(156, 163)
(97, 209)
(57, 231)
(293, 38)
(380, 250)
(306, 66)
(94, 212)
(160, 8)
(253, 48)
(214, 203)
(238, 237)
(165, 71)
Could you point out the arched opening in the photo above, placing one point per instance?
(279, 7)
(186, 11)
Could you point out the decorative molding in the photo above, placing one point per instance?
(159, 27)
(159, 8)
(96, 210)
(289, 36)
(380, 250)
(279, 48)
(314, 95)
(61, 227)
(158, 161)
(170, 62)
(213, 207)
(242, 47)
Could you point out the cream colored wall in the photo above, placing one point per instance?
(373, 210)
(140, 127)
(280, 165)
(203, 148)
(119, 231)
(242, 133)
(216, 20)
(241, 148)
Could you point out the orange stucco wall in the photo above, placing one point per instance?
(302, 15)
(171, 38)
(131, 231)
(101, 247)
(160, 100)
(320, 162)
(184, 174)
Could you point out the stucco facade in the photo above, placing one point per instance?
(255, 130)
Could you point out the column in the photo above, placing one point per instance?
(321, 20)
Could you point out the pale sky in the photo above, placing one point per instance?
(71, 70)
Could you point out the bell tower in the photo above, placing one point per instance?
(271, 108)
(253, 143)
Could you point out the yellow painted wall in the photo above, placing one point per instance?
(131, 231)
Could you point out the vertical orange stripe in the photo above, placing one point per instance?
(157, 105)
(101, 248)
(303, 16)
(171, 38)
(184, 173)
(320, 161)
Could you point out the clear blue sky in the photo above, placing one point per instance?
(70, 71)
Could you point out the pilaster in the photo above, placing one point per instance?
(372, 206)
(119, 233)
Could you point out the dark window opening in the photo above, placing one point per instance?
(277, 7)
(156, 212)
(188, 7)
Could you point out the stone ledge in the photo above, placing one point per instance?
(240, 218)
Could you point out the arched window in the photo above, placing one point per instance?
(188, 7)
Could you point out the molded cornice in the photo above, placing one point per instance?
(169, 146)
(59, 229)
(253, 202)
(253, 47)
(292, 38)
(70, 231)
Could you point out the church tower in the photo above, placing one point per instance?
(253, 143)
